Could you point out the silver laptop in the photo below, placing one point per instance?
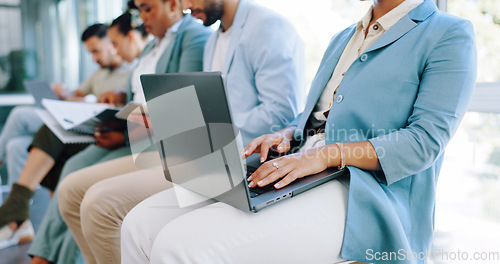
(40, 90)
(200, 147)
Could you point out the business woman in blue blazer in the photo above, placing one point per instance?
(394, 112)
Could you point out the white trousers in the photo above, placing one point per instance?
(308, 228)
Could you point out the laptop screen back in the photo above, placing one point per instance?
(40, 90)
(197, 141)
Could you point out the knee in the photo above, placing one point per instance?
(22, 112)
(68, 195)
(92, 202)
(100, 207)
(17, 146)
(19, 110)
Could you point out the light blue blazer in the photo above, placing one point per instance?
(407, 95)
(263, 70)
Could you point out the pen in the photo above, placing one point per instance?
(69, 121)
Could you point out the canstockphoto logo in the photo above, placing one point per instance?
(196, 153)
(400, 255)
(447, 256)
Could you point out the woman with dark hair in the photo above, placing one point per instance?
(128, 35)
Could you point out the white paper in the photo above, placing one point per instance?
(127, 110)
(71, 114)
(66, 137)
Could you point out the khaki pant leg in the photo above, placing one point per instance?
(73, 188)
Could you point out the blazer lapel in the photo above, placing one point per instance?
(324, 74)
(237, 29)
(395, 32)
(162, 64)
(150, 46)
(407, 23)
(420, 13)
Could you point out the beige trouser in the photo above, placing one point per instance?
(95, 200)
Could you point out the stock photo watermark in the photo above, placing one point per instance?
(352, 134)
(434, 254)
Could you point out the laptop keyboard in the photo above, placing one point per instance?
(256, 191)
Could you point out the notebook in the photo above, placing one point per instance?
(79, 116)
(66, 136)
(74, 122)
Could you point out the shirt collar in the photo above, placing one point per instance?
(173, 29)
(363, 23)
(175, 26)
(392, 17)
(226, 32)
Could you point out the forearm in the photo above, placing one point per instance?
(78, 93)
(358, 154)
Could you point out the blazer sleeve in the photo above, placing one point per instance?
(277, 61)
(193, 44)
(295, 122)
(444, 93)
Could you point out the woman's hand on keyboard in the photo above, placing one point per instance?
(279, 140)
(291, 167)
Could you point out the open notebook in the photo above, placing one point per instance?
(66, 136)
(74, 122)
